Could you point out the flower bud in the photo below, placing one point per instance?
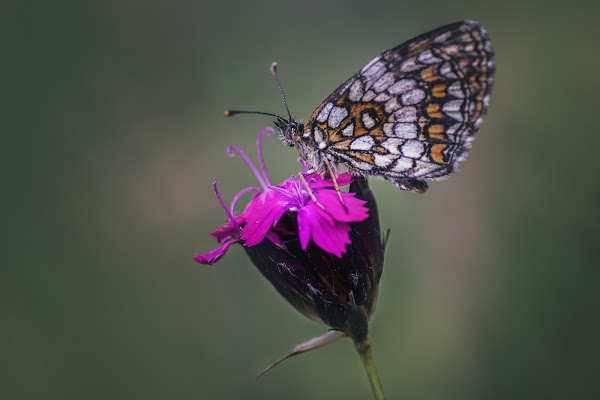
(340, 292)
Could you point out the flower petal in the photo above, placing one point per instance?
(274, 238)
(215, 255)
(330, 200)
(263, 211)
(227, 231)
(304, 227)
(332, 240)
(331, 237)
(315, 180)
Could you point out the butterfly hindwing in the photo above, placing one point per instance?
(410, 113)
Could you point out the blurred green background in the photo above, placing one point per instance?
(112, 135)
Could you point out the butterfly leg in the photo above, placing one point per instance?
(312, 195)
(335, 184)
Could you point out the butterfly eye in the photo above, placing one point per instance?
(289, 132)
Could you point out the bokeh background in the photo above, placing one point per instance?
(113, 132)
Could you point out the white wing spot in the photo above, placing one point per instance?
(488, 46)
(446, 70)
(424, 169)
(318, 135)
(356, 91)
(367, 120)
(403, 164)
(415, 96)
(363, 143)
(412, 149)
(406, 114)
(403, 85)
(427, 57)
(405, 130)
(370, 95)
(363, 166)
(478, 122)
(388, 128)
(336, 116)
(455, 115)
(452, 49)
(452, 129)
(373, 73)
(409, 65)
(392, 105)
(452, 106)
(373, 61)
(456, 90)
(381, 97)
(392, 145)
(345, 86)
(348, 130)
(324, 114)
(386, 80)
(442, 38)
(383, 160)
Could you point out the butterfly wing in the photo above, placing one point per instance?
(412, 112)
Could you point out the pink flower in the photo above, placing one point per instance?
(323, 257)
(328, 229)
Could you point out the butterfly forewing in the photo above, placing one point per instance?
(411, 112)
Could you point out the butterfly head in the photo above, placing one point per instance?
(288, 131)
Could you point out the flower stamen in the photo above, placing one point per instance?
(232, 149)
(240, 194)
(261, 160)
(227, 211)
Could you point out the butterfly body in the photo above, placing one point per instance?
(408, 115)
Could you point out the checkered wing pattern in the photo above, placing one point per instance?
(412, 112)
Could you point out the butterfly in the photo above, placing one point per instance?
(410, 114)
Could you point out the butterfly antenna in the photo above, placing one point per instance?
(274, 72)
(231, 113)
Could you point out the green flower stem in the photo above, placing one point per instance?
(364, 350)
